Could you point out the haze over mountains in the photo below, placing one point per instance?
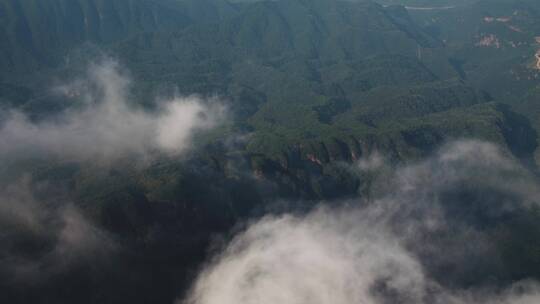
(141, 138)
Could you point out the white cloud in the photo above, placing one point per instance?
(105, 125)
(384, 251)
(373, 161)
(317, 259)
(179, 118)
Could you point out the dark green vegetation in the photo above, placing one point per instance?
(296, 73)
(312, 84)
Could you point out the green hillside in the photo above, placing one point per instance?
(312, 89)
(39, 34)
(293, 71)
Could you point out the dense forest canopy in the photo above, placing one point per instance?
(270, 151)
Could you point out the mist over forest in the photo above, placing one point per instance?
(270, 151)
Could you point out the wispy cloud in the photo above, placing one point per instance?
(40, 237)
(413, 243)
(104, 124)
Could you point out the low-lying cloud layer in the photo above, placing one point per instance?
(426, 237)
(104, 124)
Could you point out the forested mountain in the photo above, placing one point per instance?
(279, 105)
(39, 34)
(274, 60)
